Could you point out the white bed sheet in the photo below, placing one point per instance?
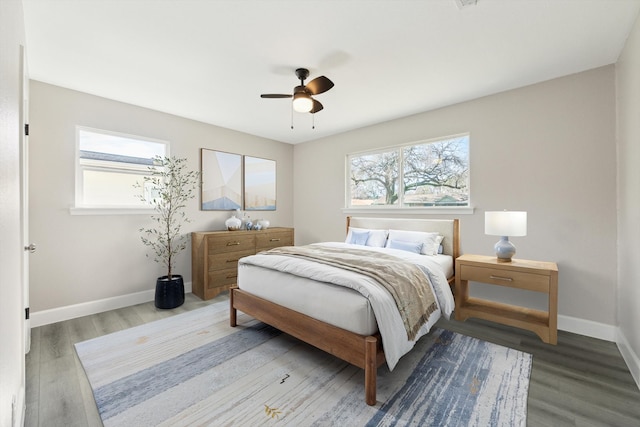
(342, 306)
(333, 304)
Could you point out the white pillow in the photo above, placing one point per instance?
(415, 247)
(359, 237)
(377, 238)
(430, 241)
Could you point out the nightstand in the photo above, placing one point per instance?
(535, 276)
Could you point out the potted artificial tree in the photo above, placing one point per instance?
(170, 186)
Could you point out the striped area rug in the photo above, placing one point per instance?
(193, 369)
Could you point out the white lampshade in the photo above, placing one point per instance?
(302, 102)
(505, 223)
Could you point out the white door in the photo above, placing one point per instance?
(24, 192)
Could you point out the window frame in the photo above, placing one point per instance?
(80, 207)
(400, 208)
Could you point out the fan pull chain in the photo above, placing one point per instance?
(313, 119)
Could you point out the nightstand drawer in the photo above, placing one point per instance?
(505, 277)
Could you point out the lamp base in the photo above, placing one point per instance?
(505, 250)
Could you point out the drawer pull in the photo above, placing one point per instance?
(506, 279)
(233, 243)
(274, 240)
(232, 276)
(232, 260)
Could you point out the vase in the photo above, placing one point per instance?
(263, 223)
(233, 223)
(169, 293)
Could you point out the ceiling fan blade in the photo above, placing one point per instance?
(319, 85)
(275, 95)
(317, 106)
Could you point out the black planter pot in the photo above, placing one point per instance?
(169, 293)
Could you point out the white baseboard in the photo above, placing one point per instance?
(588, 328)
(630, 357)
(46, 317)
(607, 333)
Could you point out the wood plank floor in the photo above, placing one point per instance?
(580, 382)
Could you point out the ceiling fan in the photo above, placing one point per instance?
(303, 101)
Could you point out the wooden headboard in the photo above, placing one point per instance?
(449, 228)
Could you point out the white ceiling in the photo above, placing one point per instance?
(209, 60)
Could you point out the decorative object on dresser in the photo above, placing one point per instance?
(168, 189)
(215, 255)
(505, 224)
(233, 224)
(535, 276)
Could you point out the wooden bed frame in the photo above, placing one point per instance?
(362, 351)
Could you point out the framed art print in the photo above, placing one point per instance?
(259, 184)
(221, 180)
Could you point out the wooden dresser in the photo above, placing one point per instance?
(215, 255)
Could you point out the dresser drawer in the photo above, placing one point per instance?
(505, 277)
(273, 239)
(215, 255)
(221, 278)
(226, 259)
(231, 241)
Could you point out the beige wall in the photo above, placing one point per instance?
(548, 149)
(86, 258)
(628, 97)
(12, 364)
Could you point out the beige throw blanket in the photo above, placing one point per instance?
(403, 280)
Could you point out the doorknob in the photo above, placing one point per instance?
(31, 248)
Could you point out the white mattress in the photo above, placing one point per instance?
(337, 305)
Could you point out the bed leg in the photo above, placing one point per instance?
(232, 311)
(370, 370)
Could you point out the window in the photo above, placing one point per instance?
(109, 165)
(427, 174)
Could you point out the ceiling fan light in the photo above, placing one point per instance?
(302, 102)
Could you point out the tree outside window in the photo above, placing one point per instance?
(427, 174)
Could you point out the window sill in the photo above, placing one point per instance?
(444, 210)
(110, 211)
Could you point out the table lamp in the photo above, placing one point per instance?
(505, 224)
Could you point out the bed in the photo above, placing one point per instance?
(334, 317)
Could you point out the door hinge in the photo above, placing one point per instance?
(26, 313)
(26, 129)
